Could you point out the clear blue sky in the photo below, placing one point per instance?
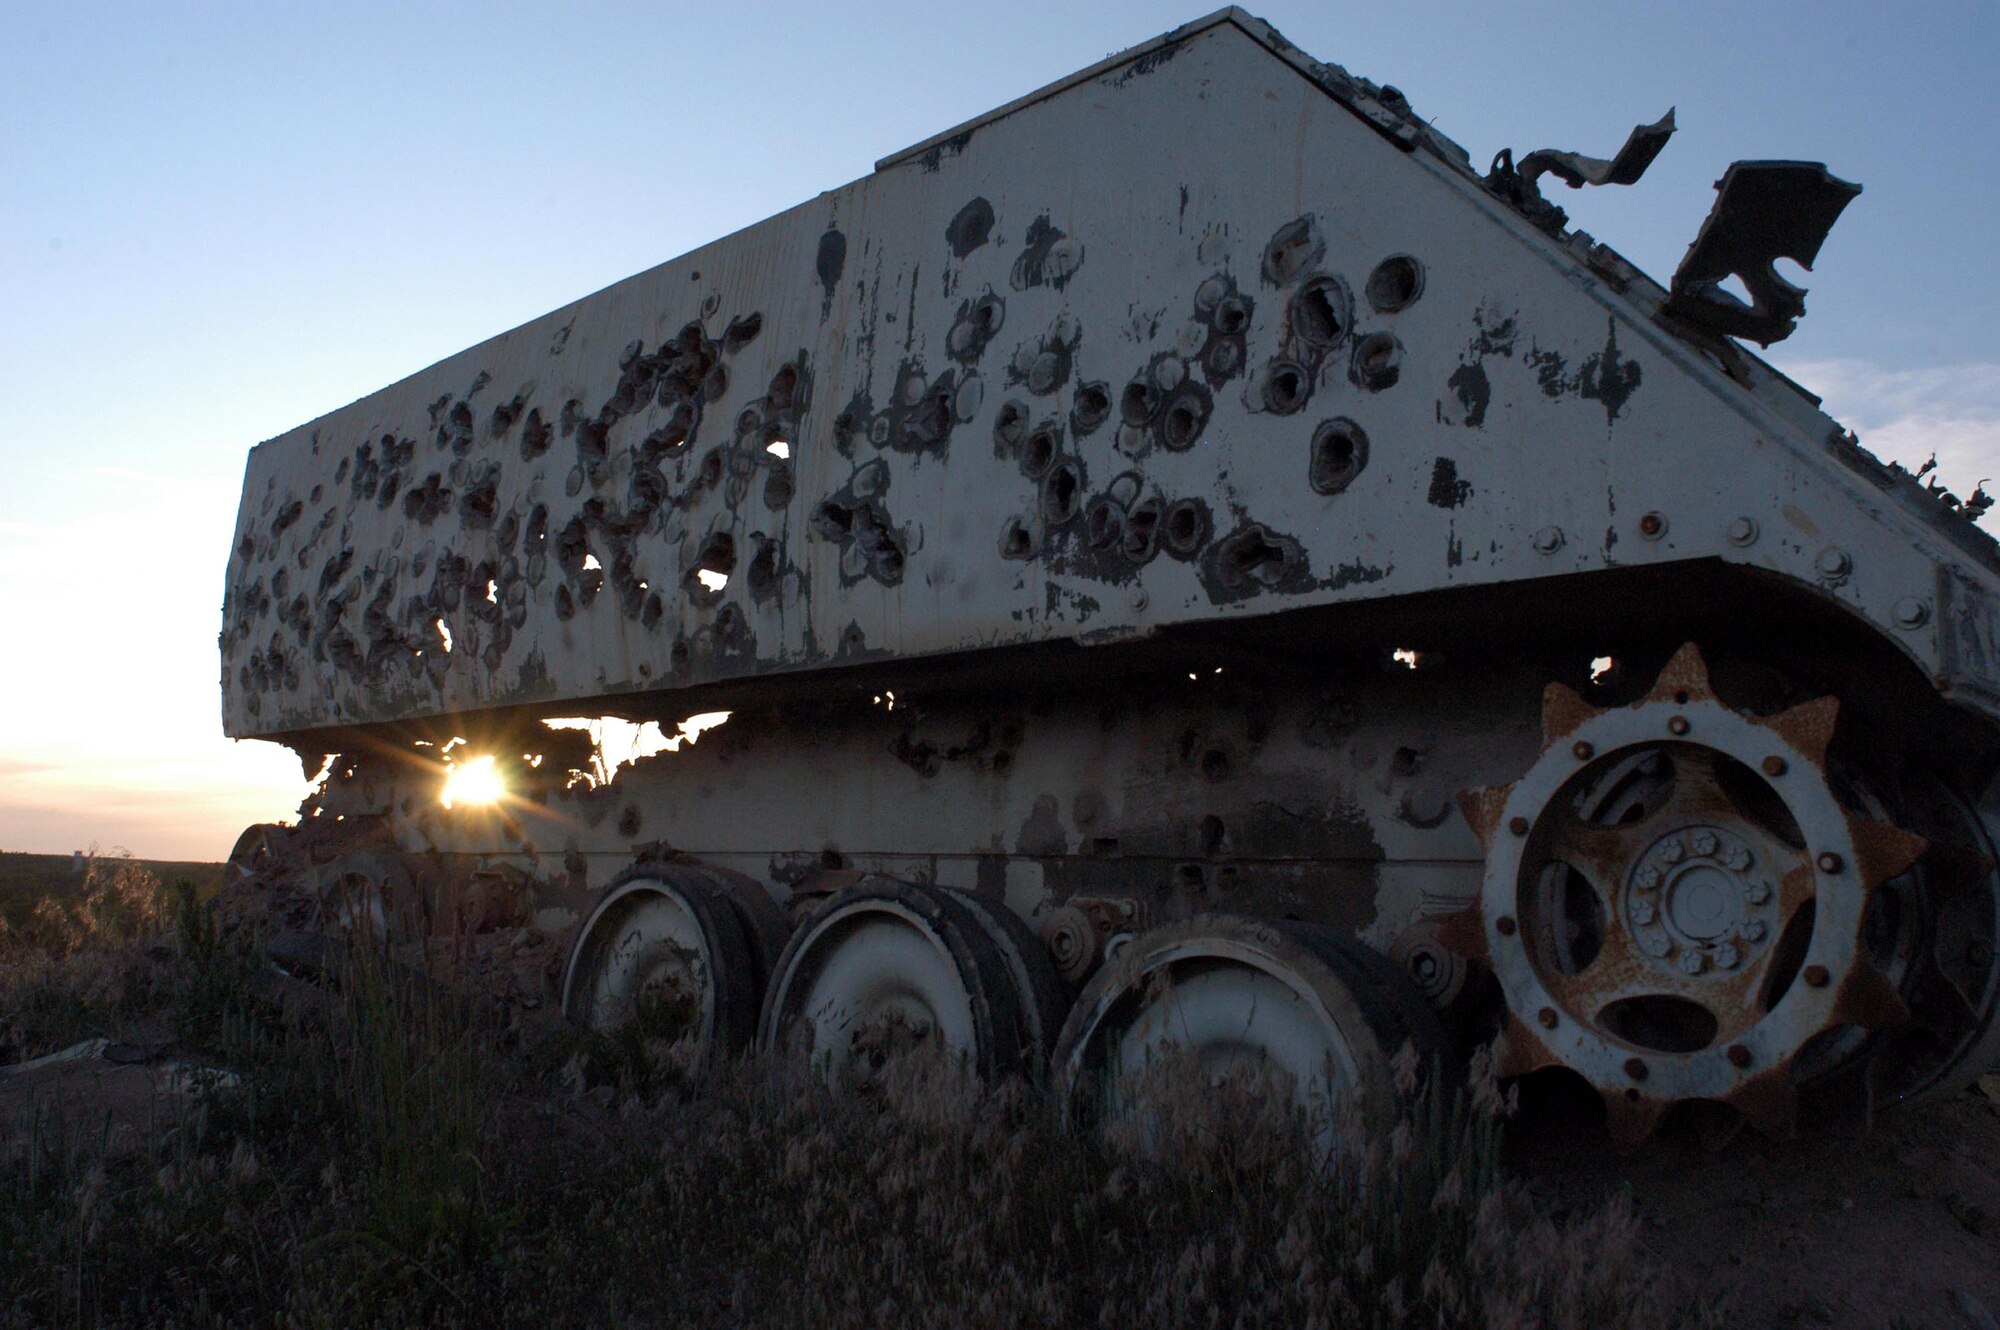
(218, 221)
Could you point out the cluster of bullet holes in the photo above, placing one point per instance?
(1042, 364)
(990, 747)
(767, 428)
(920, 414)
(727, 638)
(855, 519)
(979, 321)
(376, 476)
(1049, 257)
(1163, 406)
(1339, 452)
(1218, 337)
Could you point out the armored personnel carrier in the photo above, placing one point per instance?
(1188, 561)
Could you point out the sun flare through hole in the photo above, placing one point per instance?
(475, 782)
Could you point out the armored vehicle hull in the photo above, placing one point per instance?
(1184, 525)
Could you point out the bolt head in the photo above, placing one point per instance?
(1757, 892)
(1518, 825)
(1912, 612)
(1704, 842)
(1655, 945)
(1739, 1056)
(1743, 531)
(1752, 930)
(1775, 765)
(1547, 1017)
(1816, 976)
(1583, 749)
(1548, 540)
(1692, 962)
(1673, 851)
(1834, 564)
(1828, 862)
(1652, 526)
(1737, 859)
(1727, 957)
(1643, 912)
(1647, 878)
(1677, 726)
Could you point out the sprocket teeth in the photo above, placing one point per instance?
(1631, 1119)
(1808, 727)
(1867, 998)
(1563, 712)
(1482, 806)
(1685, 672)
(1884, 851)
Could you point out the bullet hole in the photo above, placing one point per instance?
(969, 229)
(1231, 317)
(1223, 359)
(536, 436)
(1254, 555)
(1286, 387)
(1211, 835)
(833, 521)
(1139, 403)
(1378, 361)
(1186, 528)
(977, 323)
(314, 496)
(679, 656)
(505, 415)
(829, 262)
(536, 533)
(1405, 762)
(715, 386)
(628, 821)
(1215, 765)
(288, 515)
(1044, 373)
(479, 505)
(565, 603)
(708, 474)
(1142, 530)
(778, 487)
(1060, 490)
(1046, 258)
(784, 387)
(456, 432)
(1092, 407)
(1185, 419)
(742, 331)
(429, 501)
(1001, 762)
(709, 575)
(1322, 312)
(763, 573)
(672, 436)
(654, 610)
(1040, 450)
(749, 421)
(1103, 523)
(1339, 452)
(1015, 540)
(340, 472)
(593, 447)
(1395, 284)
(1010, 427)
(1294, 250)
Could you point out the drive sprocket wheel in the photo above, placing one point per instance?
(1675, 901)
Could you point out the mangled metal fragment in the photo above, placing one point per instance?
(1518, 184)
(1764, 211)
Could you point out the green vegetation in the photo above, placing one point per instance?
(382, 1159)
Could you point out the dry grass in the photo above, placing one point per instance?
(383, 1161)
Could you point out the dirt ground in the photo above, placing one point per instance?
(1808, 1233)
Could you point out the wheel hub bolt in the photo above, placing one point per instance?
(1693, 962)
(1672, 850)
(1653, 944)
(1704, 842)
(1757, 892)
(1647, 877)
(1643, 912)
(1752, 930)
(1737, 859)
(1727, 957)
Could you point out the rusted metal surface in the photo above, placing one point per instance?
(1299, 544)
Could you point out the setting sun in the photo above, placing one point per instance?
(474, 781)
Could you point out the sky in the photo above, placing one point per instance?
(219, 221)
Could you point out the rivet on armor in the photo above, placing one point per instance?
(1828, 862)
(1583, 750)
(1678, 725)
(1652, 526)
(1912, 612)
(1547, 1016)
(1775, 765)
(1743, 531)
(1518, 825)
